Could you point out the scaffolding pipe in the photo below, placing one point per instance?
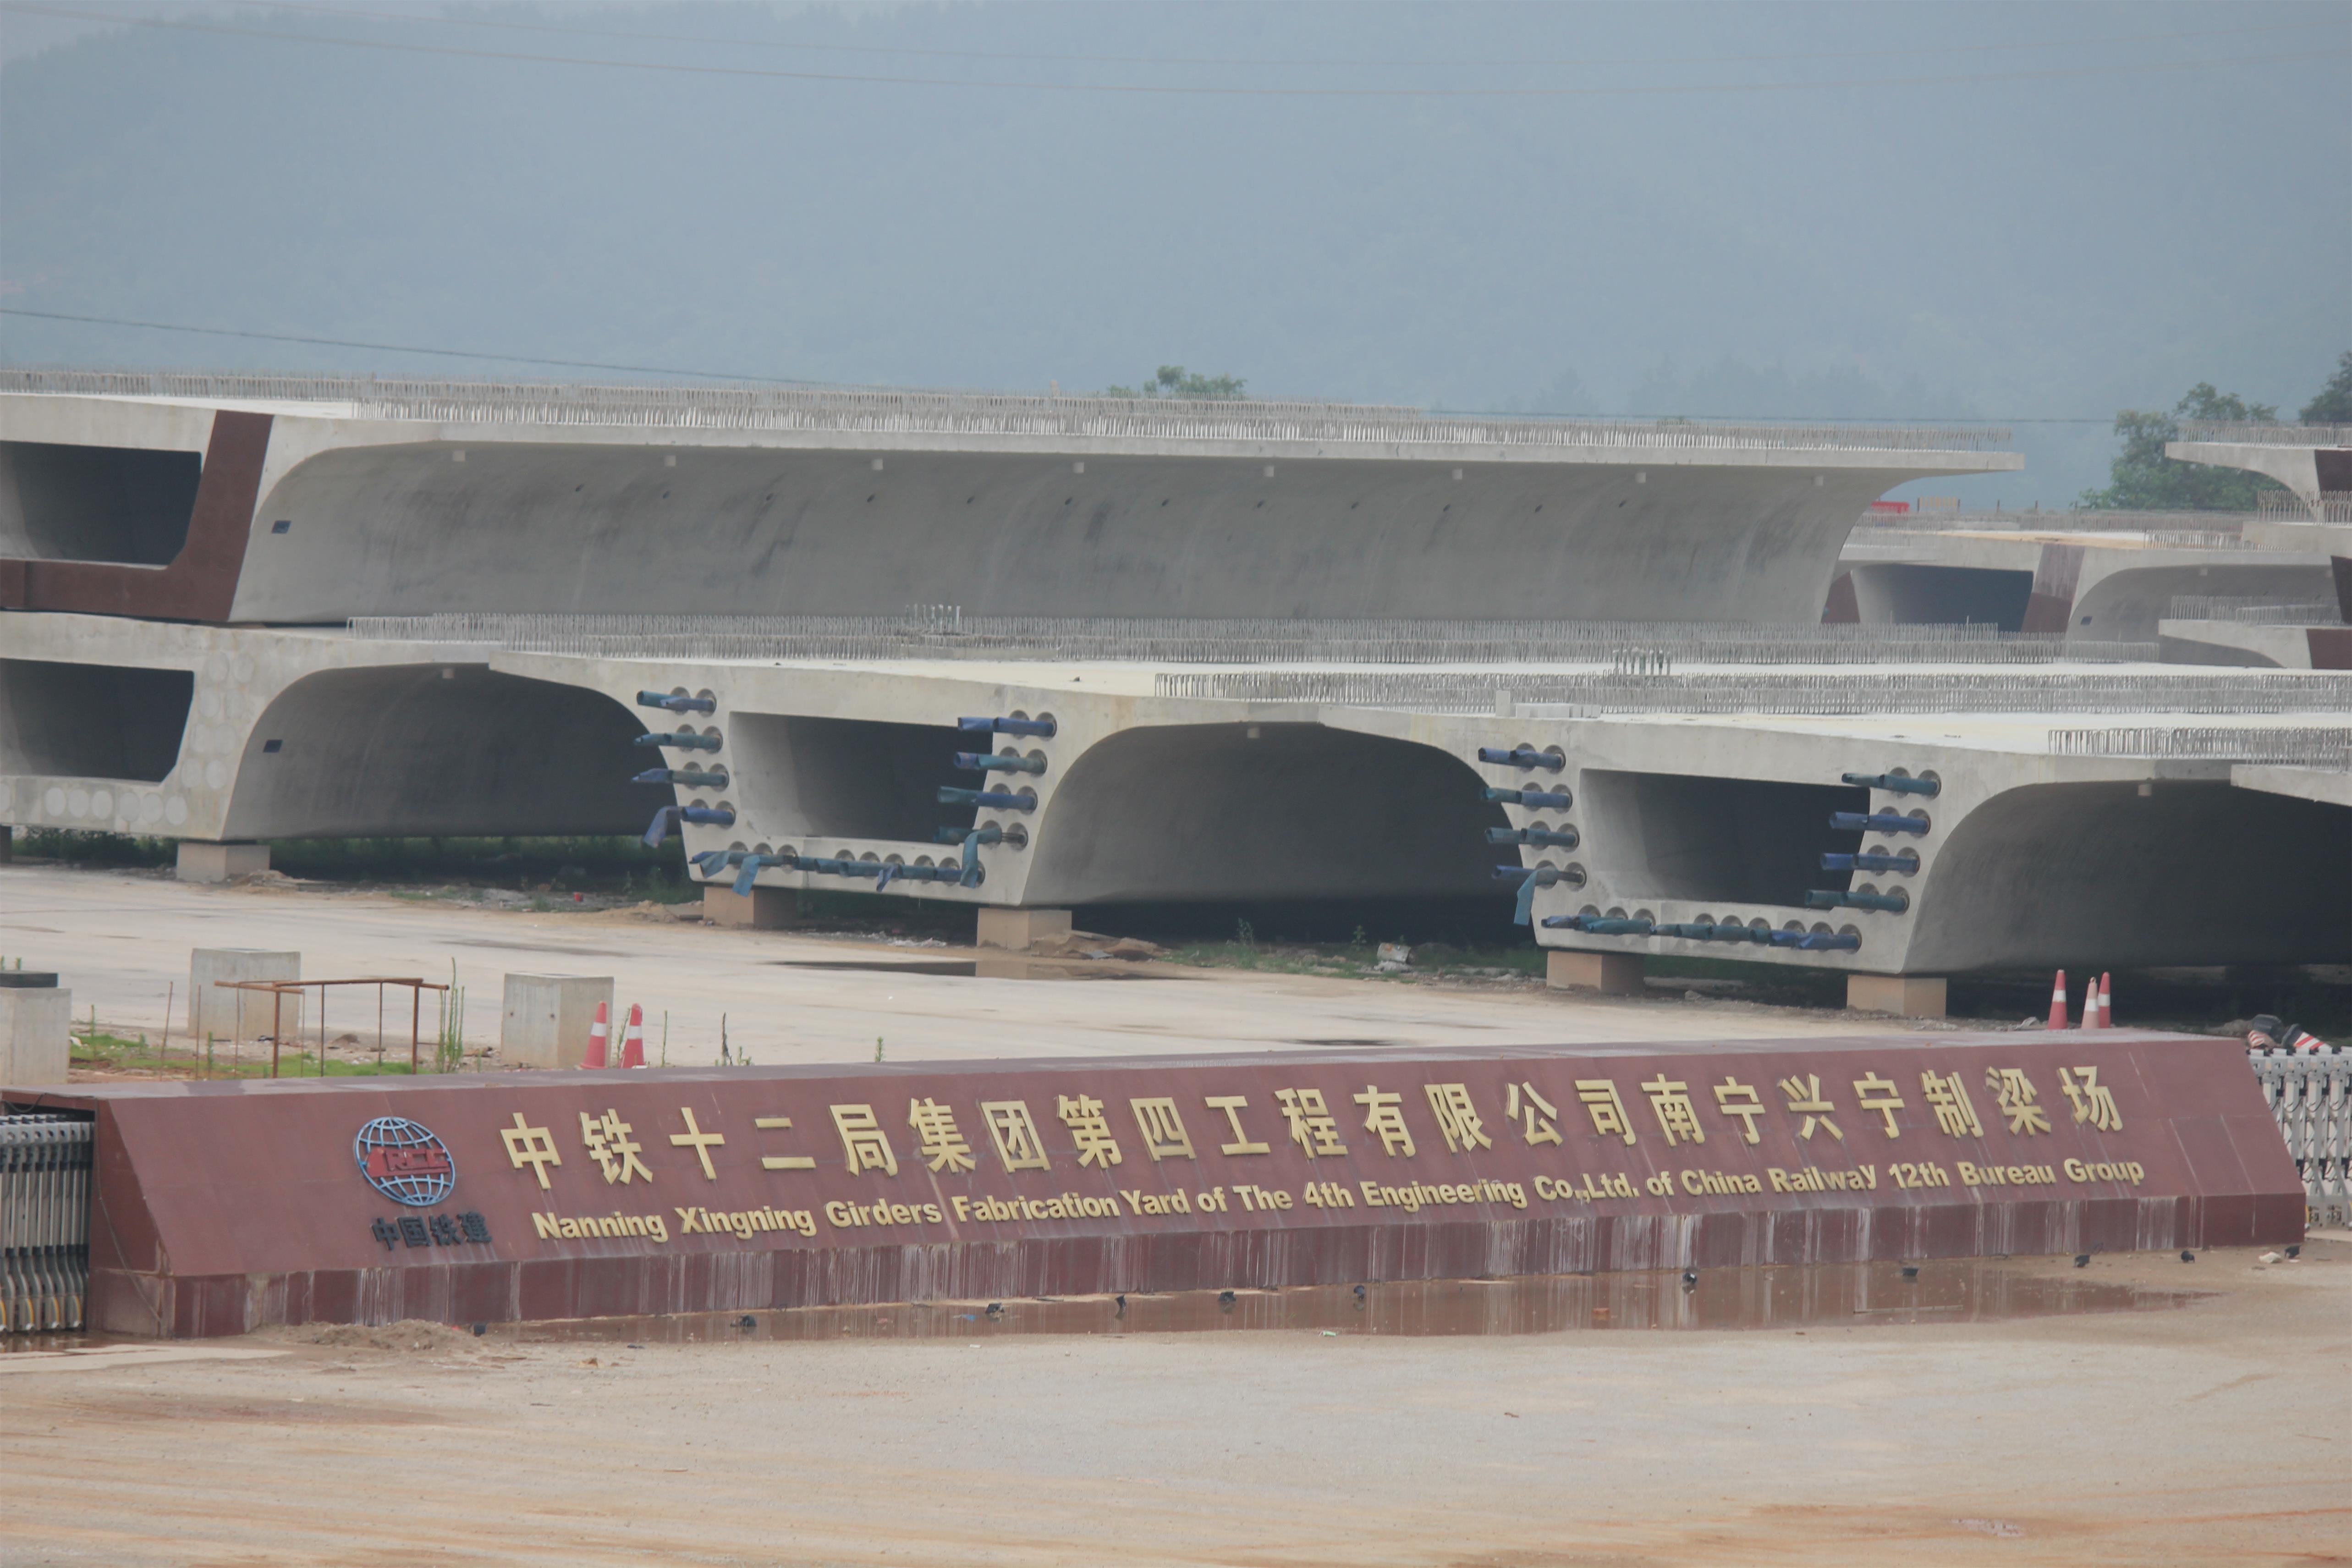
(679, 703)
(1042, 728)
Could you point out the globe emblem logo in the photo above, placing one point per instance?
(404, 1161)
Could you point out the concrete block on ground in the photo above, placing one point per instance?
(201, 862)
(762, 908)
(1018, 930)
(36, 1034)
(547, 1016)
(1904, 995)
(241, 1015)
(1611, 974)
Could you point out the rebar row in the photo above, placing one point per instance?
(45, 1171)
(2248, 610)
(1652, 645)
(2301, 746)
(1777, 692)
(951, 620)
(898, 411)
(2264, 434)
(2187, 527)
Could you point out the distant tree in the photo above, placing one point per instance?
(2142, 478)
(2332, 405)
(1175, 381)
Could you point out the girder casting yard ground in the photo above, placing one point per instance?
(2211, 1433)
(128, 936)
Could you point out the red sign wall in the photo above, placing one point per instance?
(222, 1207)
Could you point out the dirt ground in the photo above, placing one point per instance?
(2209, 1433)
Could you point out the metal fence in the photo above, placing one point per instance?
(2311, 746)
(943, 632)
(2311, 1097)
(1776, 692)
(886, 411)
(45, 1167)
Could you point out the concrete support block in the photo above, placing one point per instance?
(241, 1015)
(1904, 995)
(1611, 974)
(1018, 930)
(547, 1017)
(201, 862)
(36, 1034)
(762, 908)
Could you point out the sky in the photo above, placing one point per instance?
(2036, 214)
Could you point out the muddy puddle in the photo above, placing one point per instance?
(1823, 1296)
(1009, 967)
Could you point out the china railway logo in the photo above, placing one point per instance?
(404, 1161)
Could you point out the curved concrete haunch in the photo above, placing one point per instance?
(368, 752)
(1232, 811)
(2194, 871)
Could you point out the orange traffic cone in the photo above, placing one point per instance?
(2091, 1019)
(2058, 1001)
(596, 1036)
(2106, 1001)
(633, 1047)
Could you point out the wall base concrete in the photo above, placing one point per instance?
(1611, 974)
(547, 1017)
(240, 1014)
(762, 908)
(201, 862)
(1019, 929)
(36, 1034)
(1904, 995)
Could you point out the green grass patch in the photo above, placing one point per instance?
(136, 1053)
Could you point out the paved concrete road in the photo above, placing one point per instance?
(2209, 1434)
(118, 939)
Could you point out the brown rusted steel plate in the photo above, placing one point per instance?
(222, 1207)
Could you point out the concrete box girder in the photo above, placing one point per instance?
(1008, 513)
(1324, 801)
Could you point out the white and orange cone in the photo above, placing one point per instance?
(632, 1048)
(2058, 1001)
(597, 1033)
(2091, 1019)
(2106, 1001)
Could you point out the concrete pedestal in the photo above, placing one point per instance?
(547, 1017)
(1611, 974)
(36, 1032)
(241, 1015)
(201, 862)
(1904, 995)
(1018, 930)
(762, 908)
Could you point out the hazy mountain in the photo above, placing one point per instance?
(1745, 210)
